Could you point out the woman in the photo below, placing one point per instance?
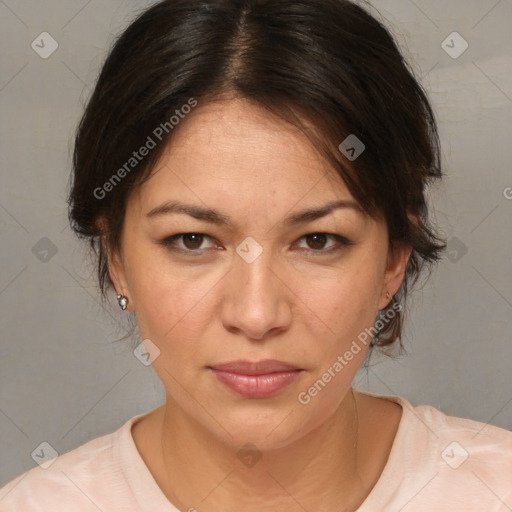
(252, 175)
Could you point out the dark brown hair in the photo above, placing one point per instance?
(326, 64)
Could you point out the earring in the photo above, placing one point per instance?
(122, 301)
(388, 295)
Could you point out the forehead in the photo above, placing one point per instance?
(236, 152)
(244, 134)
(240, 139)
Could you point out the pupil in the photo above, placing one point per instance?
(196, 241)
(317, 238)
(316, 241)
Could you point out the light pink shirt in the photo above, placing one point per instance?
(437, 463)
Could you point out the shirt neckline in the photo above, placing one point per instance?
(394, 469)
(141, 482)
(145, 489)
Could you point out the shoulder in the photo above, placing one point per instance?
(472, 458)
(75, 480)
(474, 441)
(448, 462)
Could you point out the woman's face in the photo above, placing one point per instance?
(251, 282)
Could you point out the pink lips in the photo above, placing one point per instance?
(258, 379)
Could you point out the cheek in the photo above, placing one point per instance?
(348, 302)
(169, 298)
(347, 305)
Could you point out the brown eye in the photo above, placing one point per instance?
(192, 241)
(316, 241)
(189, 243)
(318, 244)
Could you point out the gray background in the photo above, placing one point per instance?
(63, 377)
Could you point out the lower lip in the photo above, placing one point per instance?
(256, 386)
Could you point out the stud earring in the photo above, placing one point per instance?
(122, 301)
(388, 295)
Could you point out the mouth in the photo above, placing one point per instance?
(258, 379)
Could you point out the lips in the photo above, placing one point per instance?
(258, 379)
(255, 368)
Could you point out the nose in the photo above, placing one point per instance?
(257, 301)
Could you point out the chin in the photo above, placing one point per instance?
(270, 429)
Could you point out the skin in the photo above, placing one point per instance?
(291, 304)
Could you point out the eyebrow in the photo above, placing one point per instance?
(215, 217)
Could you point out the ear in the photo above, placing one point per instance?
(117, 273)
(398, 257)
(116, 268)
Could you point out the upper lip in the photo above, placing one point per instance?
(262, 367)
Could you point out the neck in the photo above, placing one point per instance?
(203, 472)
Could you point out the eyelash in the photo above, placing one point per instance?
(341, 241)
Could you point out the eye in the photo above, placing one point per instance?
(316, 242)
(190, 242)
